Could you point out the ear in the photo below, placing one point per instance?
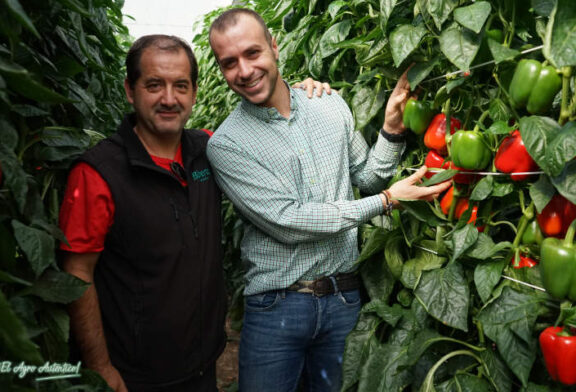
(129, 92)
(194, 91)
(275, 49)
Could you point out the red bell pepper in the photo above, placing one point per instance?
(435, 161)
(435, 136)
(525, 262)
(556, 216)
(512, 157)
(559, 350)
(461, 206)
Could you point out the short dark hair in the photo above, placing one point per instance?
(229, 18)
(162, 42)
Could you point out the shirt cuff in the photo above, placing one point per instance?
(389, 150)
(371, 206)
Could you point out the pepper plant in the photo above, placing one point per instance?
(450, 307)
(60, 92)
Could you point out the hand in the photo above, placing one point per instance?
(111, 375)
(310, 84)
(408, 190)
(395, 107)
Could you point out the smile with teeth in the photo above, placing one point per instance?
(253, 83)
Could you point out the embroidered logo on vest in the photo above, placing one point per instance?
(201, 175)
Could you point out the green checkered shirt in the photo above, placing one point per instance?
(291, 180)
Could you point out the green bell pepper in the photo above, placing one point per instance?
(533, 234)
(558, 265)
(470, 150)
(534, 86)
(417, 115)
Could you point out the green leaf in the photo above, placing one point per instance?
(499, 111)
(335, 7)
(422, 211)
(498, 371)
(360, 343)
(13, 336)
(502, 189)
(36, 244)
(486, 276)
(403, 40)
(445, 295)
(439, 177)
(509, 322)
(59, 287)
(9, 278)
(377, 278)
(440, 10)
(335, 34)
(473, 16)
(30, 88)
(561, 149)
(500, 127)
(565, 183)
(8, 67)
(537, 133)
(543, 7)
(483, 188)
(16, 9)
(413, 268)
(500, 52)
(390, 314)
(367, 103)
(385, 370)
(459, 46)
(393, 254)
(374, 244)
(541, 192)
(485, 247)
(65, 137)
(560, 42)
(386, 8)
(463, 382)
(420, 71)
(462, 239)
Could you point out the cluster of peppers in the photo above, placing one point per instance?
(533, 87)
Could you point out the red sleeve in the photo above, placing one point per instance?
(87, 210)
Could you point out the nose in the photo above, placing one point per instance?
(169, 97)
(245, 70)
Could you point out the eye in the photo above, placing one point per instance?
(182, 87)
(153, 87)
(228, 64)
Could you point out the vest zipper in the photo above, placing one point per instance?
(175, 209)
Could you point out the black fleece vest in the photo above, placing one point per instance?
(160, 278)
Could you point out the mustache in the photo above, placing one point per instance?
(169, 109)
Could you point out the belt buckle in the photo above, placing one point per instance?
(321, 286)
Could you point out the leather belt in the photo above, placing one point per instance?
(327, 284)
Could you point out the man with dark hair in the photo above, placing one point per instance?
(289, 165)
(142, 216)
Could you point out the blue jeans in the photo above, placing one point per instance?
(287, 335)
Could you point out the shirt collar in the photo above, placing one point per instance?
(269, 114)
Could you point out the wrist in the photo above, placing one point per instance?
(386, 198)
(394, 137)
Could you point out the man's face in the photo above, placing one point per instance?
(163, 96)
(247, 60)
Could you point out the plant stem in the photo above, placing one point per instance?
(565, 105)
